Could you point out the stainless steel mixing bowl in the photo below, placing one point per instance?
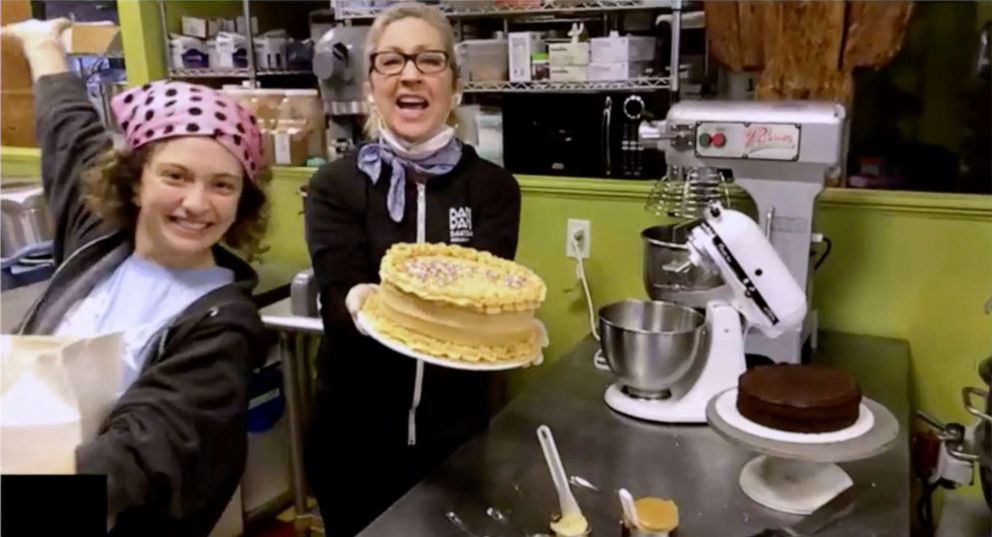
(664, 248)
(650, 345)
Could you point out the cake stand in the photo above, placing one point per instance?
(797, 473)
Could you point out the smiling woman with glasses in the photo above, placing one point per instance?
(382, 421)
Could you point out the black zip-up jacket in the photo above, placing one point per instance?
(348, 230)
(174, 445)
(362, 425)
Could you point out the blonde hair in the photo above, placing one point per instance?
(408, 10)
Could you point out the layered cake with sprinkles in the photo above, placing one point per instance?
(457, 303)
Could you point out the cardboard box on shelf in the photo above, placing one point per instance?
(97, 38)
(618, 71)
(566, 54)
(522, 45)
(241, 28)
(195, 27)
(569, 73)
(628, 48)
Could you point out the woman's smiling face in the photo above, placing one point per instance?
(187, 200)
(414, 105)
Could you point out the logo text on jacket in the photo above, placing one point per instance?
(460, 224)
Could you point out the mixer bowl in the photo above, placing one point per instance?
(650, 345)
(666, 246)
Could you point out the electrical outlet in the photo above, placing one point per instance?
(581, 231)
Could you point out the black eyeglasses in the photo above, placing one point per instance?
(428, 62)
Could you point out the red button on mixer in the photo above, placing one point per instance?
(718, 140)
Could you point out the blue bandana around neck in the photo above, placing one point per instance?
(371, 157)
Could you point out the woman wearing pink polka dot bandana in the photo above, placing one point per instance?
(138, 234)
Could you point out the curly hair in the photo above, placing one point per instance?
(110, 186)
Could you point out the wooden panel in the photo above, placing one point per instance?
(18, 118)
(13, 66)
(14, 10)
(16, 101)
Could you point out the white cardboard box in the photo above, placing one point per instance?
(240, 26)
(569, 73)
(227, 46)
(521, 45)
(629, 48)
(617, 71)
(195, 27)
(568, 54)
(270, 52)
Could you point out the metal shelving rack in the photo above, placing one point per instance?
(635, 84)
(359, 9)
(233, 73)
(350, 11)
(251, 73)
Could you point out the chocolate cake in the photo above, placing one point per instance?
(799, 398)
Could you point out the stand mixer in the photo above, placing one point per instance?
(669, 360)
(339, 64)
(780, 153)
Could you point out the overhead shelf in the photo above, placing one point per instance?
(363, 9)
(547, 86)
(233, 73)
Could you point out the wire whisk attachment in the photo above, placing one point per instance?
(685, 193)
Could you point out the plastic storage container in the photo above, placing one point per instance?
(485, 59)
(306, 103)
(264, 104)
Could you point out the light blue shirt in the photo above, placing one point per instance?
(138, 299)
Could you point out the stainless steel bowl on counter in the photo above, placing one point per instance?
(650, 345)
(665, 253)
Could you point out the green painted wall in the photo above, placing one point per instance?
(142, 39)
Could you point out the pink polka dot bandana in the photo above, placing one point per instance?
(168, 109)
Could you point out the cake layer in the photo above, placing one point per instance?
(453, 323)
(441, 341)
(810, 399)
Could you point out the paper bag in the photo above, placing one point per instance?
(54, 394)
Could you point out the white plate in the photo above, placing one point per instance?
(726, 406)
(437, 360)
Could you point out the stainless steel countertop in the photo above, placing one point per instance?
(690, 464)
